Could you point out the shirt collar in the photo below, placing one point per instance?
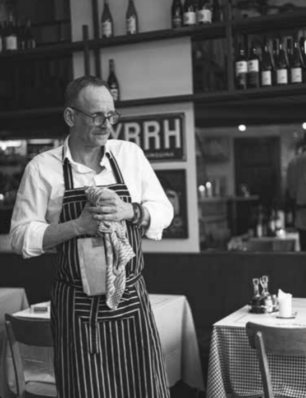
(67, 154)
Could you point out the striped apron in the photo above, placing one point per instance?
(99, 352)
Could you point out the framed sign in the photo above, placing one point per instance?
(174, 184)
(161, 137)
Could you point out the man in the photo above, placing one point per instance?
(99, 352)
(296, 186)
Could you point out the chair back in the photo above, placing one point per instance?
(277, 340)
(33, 332)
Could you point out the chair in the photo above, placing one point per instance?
(277, 340)
(33, 332)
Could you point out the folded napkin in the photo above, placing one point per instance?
(118, 251)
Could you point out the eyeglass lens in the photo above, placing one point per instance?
(100, 119)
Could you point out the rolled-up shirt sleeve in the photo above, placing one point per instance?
(28, 223)
(154, 198)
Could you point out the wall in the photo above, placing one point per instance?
(148, 70)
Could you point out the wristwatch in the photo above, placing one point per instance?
(138, 214)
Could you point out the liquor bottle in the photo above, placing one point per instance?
(112, 81)
(296, 65)
(241, 68)
(204, 13)
(177, 14)
(253, 68)
(282, 66)
(267, 69)
(131, 19)
(107, 24)
(216, 12)
(189, 13)
(10, 35)
(30, 42)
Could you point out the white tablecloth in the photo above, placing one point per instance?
(233, 366)
(178, 338)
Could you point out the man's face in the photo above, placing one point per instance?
(92, 100)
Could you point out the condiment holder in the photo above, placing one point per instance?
(263, 302)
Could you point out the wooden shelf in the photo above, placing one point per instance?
(44, 51)
(210, 31)
(292, 19)
(216, 30)
(222, 97)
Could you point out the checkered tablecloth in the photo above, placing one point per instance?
(233, 365)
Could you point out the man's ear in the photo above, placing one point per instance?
(69, 117)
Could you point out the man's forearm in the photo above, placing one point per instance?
(56, 234)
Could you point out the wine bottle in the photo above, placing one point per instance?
(131, 19)
(241, 68)
(302, 43)
(30, 42)
(189, 13)
(216, 12)
(204, 14)
(253, 67)
(266, 67)
(296, 65)
(1, 37)
(112, 81)
(177, 14)
(289, 49)
(107, 24)
(282, 66)
(10, 36)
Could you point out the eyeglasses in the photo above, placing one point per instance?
(99, 119)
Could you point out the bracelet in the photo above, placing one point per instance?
(138, 214)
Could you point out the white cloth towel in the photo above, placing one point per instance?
(118, 251)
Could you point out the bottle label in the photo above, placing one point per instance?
(131, 25)
(266, 78)
(107, 30)
(296, 75)
(189, 18)
(176, 21)
(115, 93)
(241, 67)
(204, 16)
(253, 65)
(11, 42)
(282, 76)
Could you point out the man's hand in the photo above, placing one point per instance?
(111, 208)
(86, 223)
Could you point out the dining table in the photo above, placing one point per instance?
(233, 369)
(177, 332)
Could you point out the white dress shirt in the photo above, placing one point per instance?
(41, 191)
